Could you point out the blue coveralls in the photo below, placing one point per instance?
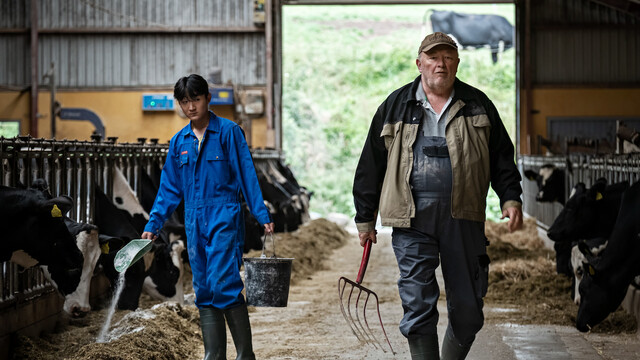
(436, 237)
(211, 178)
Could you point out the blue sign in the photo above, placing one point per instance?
(157, 102)
(221, 96)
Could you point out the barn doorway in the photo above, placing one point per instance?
(340, 62)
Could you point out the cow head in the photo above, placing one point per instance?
(164, 280)
(76, 303)
(578, 261)
(550, 180)
(578, 217)
(599, 296)
(594, 303)
(55, 248)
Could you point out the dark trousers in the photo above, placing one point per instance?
(461, 247)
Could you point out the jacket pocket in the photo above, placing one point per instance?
(390, 133)
(481, 121)
(218, 164)
(184, 159)
(183, 165)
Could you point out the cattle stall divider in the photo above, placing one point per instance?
(585, 168)
(73, 168)
(70, 168)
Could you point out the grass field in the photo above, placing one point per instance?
(341, 62)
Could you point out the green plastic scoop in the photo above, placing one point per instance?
(131, 253)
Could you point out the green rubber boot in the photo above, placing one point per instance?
(238, 321)
(425, 348)
(214, 334)
(452, 350)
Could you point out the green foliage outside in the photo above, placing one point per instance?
(340, 63)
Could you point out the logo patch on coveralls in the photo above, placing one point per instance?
(184, 152)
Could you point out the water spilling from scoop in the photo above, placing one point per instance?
(102, 336)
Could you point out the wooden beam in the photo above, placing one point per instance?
(33, 119)
(630, 7)
(528, 118)
(141, 30)
(390, 2)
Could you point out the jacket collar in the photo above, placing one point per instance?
(214, 125)
(461, 90)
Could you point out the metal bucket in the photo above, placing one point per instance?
(267, 279)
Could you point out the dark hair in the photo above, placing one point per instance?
(190, 87)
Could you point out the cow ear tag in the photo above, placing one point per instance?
(55, 211)
(592, 271)
(598, 196)
(104, 248)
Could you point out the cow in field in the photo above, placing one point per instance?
(471, 30)
(34, 232)
(607, 277)
(550, 180)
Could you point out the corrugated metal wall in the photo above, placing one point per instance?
(133, 43)
(582, 42)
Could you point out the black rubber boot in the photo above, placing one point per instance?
(214, 333)
(425, 348)
(451, 349)
(238, 321)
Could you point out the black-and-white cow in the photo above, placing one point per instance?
(287, 201)
(160, 274)
(113, 223)
(607, 277)
(76, 303)
(589, 213)
(471, 30)
(34, 232)
(594, 247)
(550, 180)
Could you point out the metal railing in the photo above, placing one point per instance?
(578, 168)
(70, 168)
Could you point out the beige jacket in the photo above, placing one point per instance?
(480, 149)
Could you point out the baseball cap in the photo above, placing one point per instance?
(435, 39)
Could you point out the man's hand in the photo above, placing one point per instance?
(368, 235)
(149, 235)
(268, 228)
(515, 218)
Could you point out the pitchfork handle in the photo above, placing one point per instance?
(365, 261)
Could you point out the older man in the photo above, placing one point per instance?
(433, 148)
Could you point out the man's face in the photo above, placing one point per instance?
(438, 67)
(196, 108)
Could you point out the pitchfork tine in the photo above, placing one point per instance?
(348, 316)
(344, 313)
(362, 332)
(364, 313)
(360, 335)
(369, 335)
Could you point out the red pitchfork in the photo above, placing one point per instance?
(361, 330)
